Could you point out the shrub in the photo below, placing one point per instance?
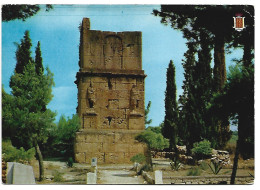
(61, 137)
(58, 176)
(204, 165)
(70, 162)
(215, 167)
(194, 172)
(202, 149)
(139, 158)
(12, 154)
(175, 164)
(154, 140)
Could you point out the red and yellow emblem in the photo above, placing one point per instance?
(239, 24)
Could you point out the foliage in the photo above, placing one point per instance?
(202, 149)
(157, 130)
(231, 144)
(70, 162)
(20, 12)
(237, 103)
(31, 92)
(12, 154)
(61, 137)
(186, 101)
(194, 172)
(23, 53)
(153, 140)
(204, 165)
(7, 115)
(169, 129)
(38, 59)
(195, 21)
(58, 176)
(175, 164)
(146, 112)
(215, 167)
(139, 158)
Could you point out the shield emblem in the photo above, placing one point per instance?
(239, 23)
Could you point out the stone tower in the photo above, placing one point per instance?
(110, 85)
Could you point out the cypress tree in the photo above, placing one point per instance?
(169, 129)
(23, 53)
(38, 60)
(203, 80)
(188, 123)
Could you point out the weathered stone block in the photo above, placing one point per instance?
(108, 147)
(91, 178)
(80, 138)
(19, 174)
(124, 103)
(158, 177)
(121, 147)
(80, 157)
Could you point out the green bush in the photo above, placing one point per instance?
(204, 165)
(194, 172)
(70, 162)
(58, 176)
(12, 154)
(154, 140)
(202, 149)
(215, 167)
(175, 164)
(61, 137)
(139, 158)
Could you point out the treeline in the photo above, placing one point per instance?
(26, 121)
(211, 98)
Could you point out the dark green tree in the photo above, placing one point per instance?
(23, 53)
(201, 88)
(30, 92)
(170, 127)
(63, 137)
(189, 131)
(7, 114)
(192, 19)
(20, 12)
(146, 112)
(237, 102)
(38, 60)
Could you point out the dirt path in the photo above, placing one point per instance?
(119, 177)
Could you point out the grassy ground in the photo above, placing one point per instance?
(245, 168)
(57, 172)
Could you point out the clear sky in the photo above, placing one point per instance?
(58, 33)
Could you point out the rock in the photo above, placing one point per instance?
(182, 149)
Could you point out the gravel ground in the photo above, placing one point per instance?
(119, 177)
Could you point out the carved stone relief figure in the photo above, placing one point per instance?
(91, 95)
(134, 98)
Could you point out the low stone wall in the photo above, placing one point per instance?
(220, 179)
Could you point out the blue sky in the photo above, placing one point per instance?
(58, 33)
